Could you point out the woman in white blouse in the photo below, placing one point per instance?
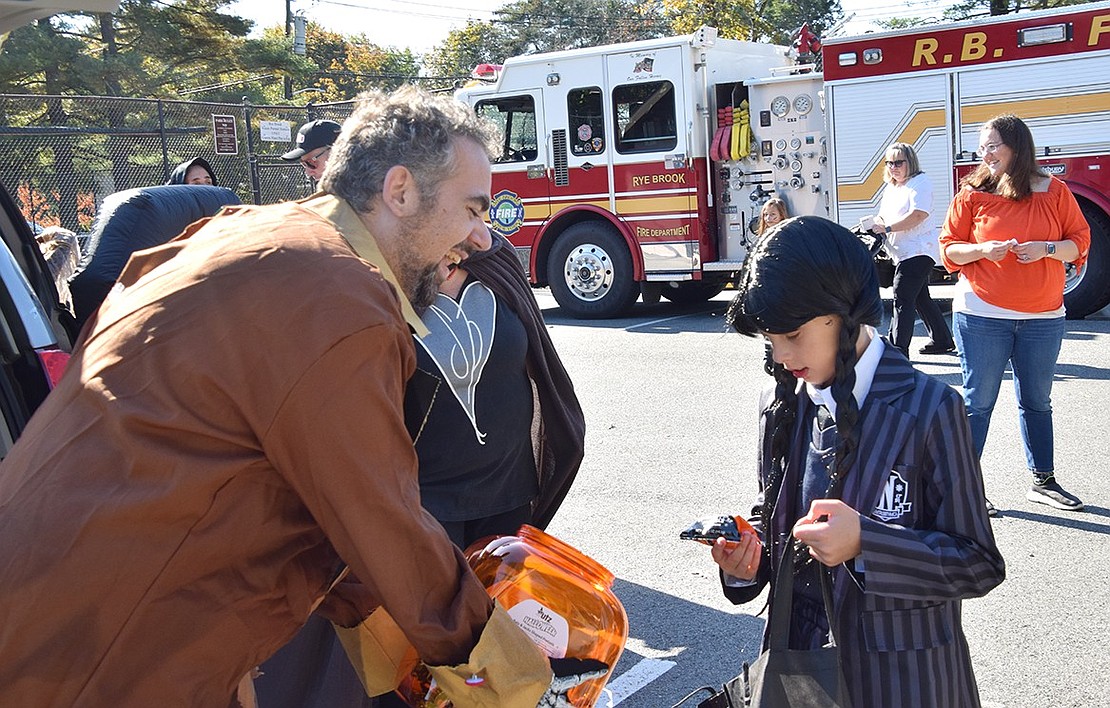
(913, 246)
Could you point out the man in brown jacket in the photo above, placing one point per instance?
(229, 438)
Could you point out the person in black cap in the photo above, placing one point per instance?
(314, 141)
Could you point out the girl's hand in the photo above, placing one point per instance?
(831, 529)
(740, 559)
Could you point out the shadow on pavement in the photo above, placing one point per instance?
(1079, 520)
(708, 645)
(660, 318)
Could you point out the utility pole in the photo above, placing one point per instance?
(288, 32)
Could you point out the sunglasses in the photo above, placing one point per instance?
(895, 163)
(312, 162)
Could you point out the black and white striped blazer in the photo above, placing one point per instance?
(926, 543)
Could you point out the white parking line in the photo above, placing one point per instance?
(640, 675)
(629, 328)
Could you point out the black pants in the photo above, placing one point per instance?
(911, 298)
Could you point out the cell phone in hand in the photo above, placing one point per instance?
(709, 530)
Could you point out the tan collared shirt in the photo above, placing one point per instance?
(345, 219)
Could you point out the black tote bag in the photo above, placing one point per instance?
(782, 677)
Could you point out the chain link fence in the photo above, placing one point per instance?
(61, 155)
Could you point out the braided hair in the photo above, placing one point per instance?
(803, 268)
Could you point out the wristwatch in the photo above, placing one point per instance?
(1049, 248)
(887, 229)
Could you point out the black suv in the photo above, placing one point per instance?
(35, 330)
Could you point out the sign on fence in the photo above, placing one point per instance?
(223, 130)
(275, 131)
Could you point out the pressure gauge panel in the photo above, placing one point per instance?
(780, 106)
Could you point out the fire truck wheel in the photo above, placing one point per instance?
(590, 272)
(691, 292)
(1087, 289)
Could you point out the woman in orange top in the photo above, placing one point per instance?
(1009, 231)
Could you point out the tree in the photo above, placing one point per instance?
(734, 20)
(776, 21)
(383, 68)
(476, 43)
(968, 9)
(971, 9)
(532, 26)
(781, 19)
(149, 48)
(552, 25)
(342, 66)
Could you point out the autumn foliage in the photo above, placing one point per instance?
(41, 209)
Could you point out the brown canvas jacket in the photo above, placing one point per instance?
(229, 428)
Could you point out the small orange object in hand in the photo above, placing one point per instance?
(707, 531)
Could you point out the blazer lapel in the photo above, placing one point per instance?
(885, 429)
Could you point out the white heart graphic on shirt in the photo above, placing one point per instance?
(459, 340)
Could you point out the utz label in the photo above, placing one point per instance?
(544, 626)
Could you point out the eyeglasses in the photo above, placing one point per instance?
(895, 163)
(989, 147)
(312, 162)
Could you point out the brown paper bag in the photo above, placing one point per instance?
(379, 651)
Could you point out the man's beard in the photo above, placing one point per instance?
(420, 283)
(422, 287)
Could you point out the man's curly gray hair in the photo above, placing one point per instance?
(408, 127)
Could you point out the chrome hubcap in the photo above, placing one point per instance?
(589, 272)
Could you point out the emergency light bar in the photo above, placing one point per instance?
(1046, 34)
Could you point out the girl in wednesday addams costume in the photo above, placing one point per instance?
(883, 489)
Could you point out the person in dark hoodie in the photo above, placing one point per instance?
(195, 171)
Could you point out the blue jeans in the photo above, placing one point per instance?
(1031, 347)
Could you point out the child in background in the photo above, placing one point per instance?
(773, 211)
(869, 464)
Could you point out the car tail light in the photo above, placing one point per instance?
(54, 364)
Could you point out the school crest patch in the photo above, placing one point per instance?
(895, 500)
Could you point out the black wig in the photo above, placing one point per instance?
(803, 268)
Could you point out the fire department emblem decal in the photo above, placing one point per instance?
(506, 213)
(895, 499)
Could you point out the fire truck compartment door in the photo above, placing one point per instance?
(1053, 97)
(654, 188)
(863, 124)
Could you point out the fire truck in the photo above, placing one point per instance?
(639, 169)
